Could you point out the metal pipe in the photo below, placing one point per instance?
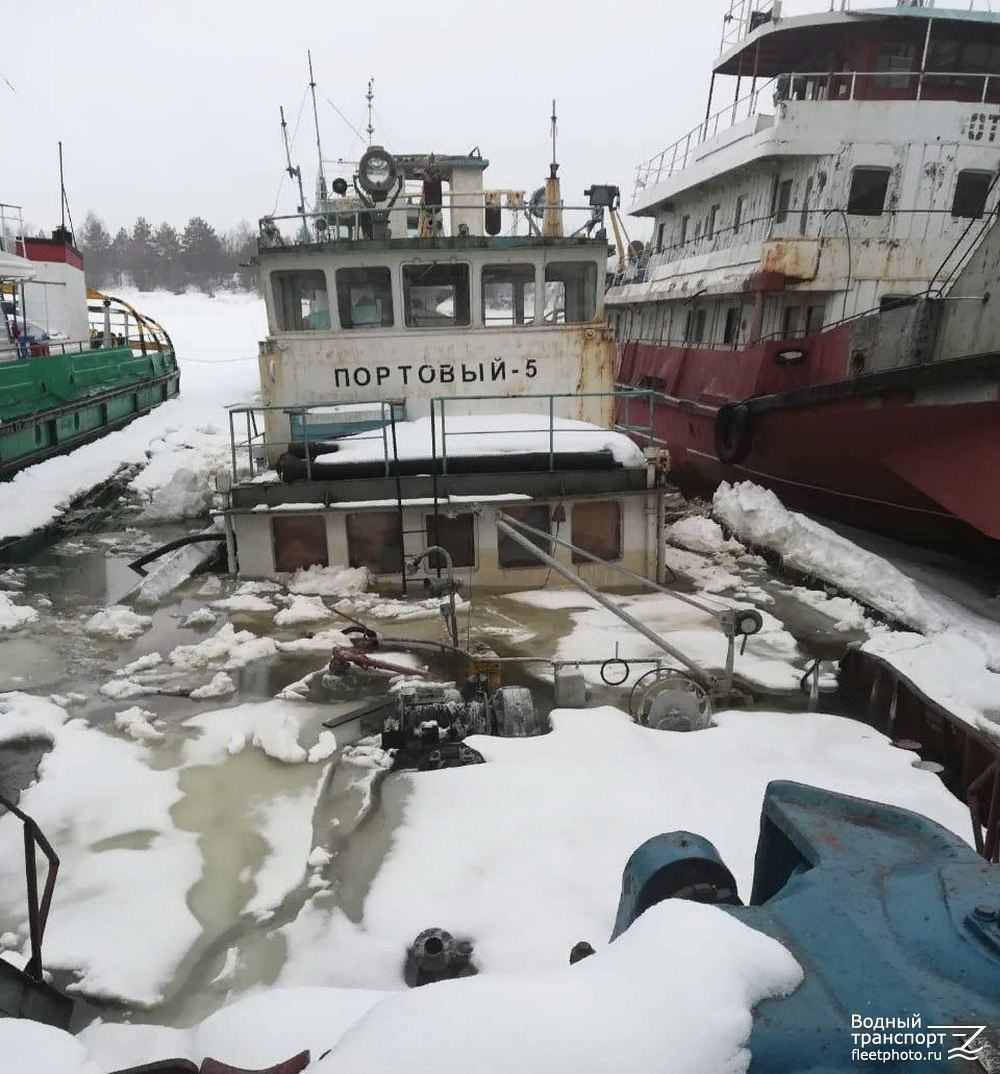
(682, 597)
(601, 599)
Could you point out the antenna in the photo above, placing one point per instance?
(369, 97)
(293, 172)
(321, 182)
(64, 200)
(554, 166)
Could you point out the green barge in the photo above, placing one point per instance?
(74, 364)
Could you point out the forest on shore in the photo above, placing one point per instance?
(168, 258)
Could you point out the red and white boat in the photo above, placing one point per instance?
(818, 309)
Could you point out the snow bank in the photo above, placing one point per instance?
(756, 515)
(25, 717)
(700, 534)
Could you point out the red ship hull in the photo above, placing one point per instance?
(904, 459)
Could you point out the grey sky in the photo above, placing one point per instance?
(170, 108)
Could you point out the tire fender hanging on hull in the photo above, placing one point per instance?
(733, 432)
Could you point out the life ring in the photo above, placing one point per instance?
(733, 432)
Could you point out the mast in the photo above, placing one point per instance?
(370, 97)
(321, 181)
(293, 172)
(552, 224)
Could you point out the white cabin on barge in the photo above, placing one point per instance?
(437, 351)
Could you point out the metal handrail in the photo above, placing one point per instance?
(801, 86)
(257, 436)
(38, 910)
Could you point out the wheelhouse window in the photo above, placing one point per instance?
(508, 295)
(436, 295)
(456, 536)
(814, 320)
(739, 213)
(597, 529)
(299, 541)
(970, 194)
(898, 59)
(694, 326)
(364, 297)
(868, 189)
(301, 302)
(570, 292)
(374, 541)
(512, 554)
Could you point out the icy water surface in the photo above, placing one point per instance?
(257, 820)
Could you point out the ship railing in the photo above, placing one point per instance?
(254, 449)
(11, 227)
(489, 214)
(883, 85)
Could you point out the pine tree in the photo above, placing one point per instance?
(203, 255)
(95, 245)
(168, 270)
(140, 255)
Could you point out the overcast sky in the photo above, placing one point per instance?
(169, 109)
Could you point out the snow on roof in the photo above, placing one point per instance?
(487, 434)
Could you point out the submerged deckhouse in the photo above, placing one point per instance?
(437, 350)
(818, 308)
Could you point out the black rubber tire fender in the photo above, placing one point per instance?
(733, 432)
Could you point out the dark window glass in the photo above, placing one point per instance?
(970, 194)
(456, 536)
(509, 552)
(682, 235)
(570, 291)
(814, 320)
(374, 541)
(868, 190)
(806, 198)
(781, 200)
(732, 326)
(790, 322)
(713, 216)
(738, 215)
(299, 541)
(301, 302)
(597, 529)
(659, 237)
(508, 294)
(364, 297)
(436, 295)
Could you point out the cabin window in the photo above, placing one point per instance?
(970, 194)
(814, 320)
(682, 235)
(299, 541)
(781, 200)
(509, 552)
(713, 216)
(731, 329)
(374, 540)
(436, 295)
(455, 535)
(868, 189)
(790, 322)
(364, 297)
(659, 237)
(694, 326)
(570, 292)
(301, 302)
(597, 529)
(738, 214)
(508, 294)
(898, 59)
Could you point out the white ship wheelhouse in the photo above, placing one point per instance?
(847, 174)
(438, 351)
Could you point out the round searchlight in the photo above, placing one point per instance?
(377, 172)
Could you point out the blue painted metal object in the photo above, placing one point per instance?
(889, 914)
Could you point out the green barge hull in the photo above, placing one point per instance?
(53, 403)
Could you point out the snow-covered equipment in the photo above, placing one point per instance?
(435, 955)
(894, 919)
